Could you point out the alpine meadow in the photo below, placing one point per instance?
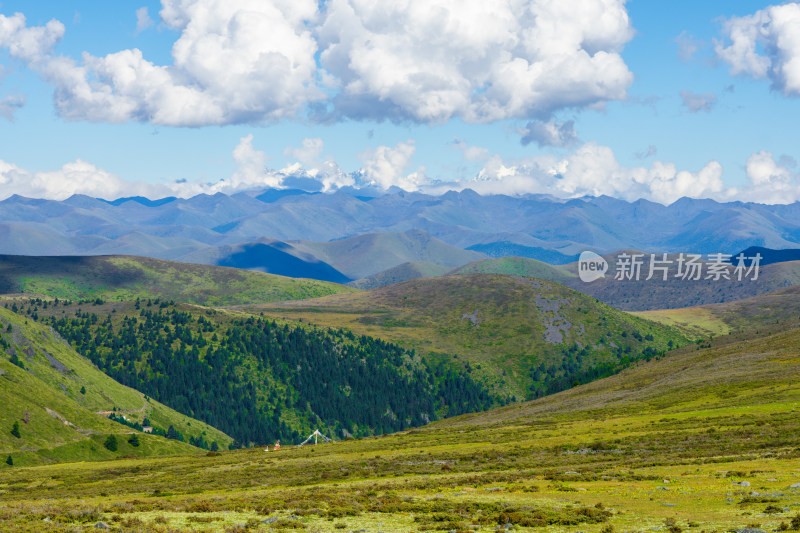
(383, 267)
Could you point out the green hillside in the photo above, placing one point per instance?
(255, 379)
(365, 255)
(400, 273)
(129, 277)
(520, 336)
(60, 402)
(705, 439)
(517, 266)
(779, 307)
(752, 373)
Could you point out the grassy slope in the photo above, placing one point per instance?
(128, 277)
(741, 372)
(52, 379)
(517, 266)
(368, 254)
(695, 322)
(400, 273)
(273, 386)
(665, 443)
(654, 294)
(779, 306)
(508, 333)
(512, 266)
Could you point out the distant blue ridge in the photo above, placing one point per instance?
(768, 255)
(140, 199)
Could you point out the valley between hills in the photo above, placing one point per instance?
(496, 397)
(334, 266)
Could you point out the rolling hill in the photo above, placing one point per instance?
(338, 261)
(255, 379)
(126, 277)
(653, 294)
(629, 295)
(704, 439)
(520, 336)
(404, 272)
(518, 266)
(365, 255)
(755, 372)
(60, 402)
(512, 266)
(766, 312)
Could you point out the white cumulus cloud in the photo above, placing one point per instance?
(308, 153)
(236, 61)
(770, 182)
(765, 44)
(428, 61)
(688, 45)
(252, 168)
(28, 44)
(77, 177)
(385, 167)
(10, 104)
(480, 60)
(589, 170)
(593, 170)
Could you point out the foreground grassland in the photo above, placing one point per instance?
(705, 439)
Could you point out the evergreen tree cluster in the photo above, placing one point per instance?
(580, 365)
(259, 381)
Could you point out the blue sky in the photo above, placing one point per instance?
(641, 99)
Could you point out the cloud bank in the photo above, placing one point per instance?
(425, 61)
(589, 170)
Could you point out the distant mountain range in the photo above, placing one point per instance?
(342, 236)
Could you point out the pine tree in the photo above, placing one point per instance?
(10, 461)
(134, 440)
(83, 390)
(111, 443)
(15, 430)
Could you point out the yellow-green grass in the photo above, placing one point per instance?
(129, 277)
(517, 266)
(763, 312)
(695, 322)
(400, 273)
(696, 423)
(64, 423)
